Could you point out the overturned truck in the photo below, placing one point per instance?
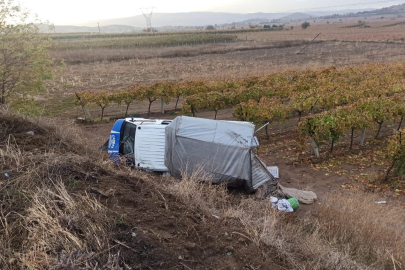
(222, 149)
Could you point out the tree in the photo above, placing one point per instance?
(24, 59)
(216, 101)
(148, 93)
(305, 25)
(103, 99)
(127, 96)
(361, 23)
(210, 27)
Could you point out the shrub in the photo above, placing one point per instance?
(305, 25)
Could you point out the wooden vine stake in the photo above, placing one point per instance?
(84, 107)
(162, 106)
(315, 148)
(363, 137)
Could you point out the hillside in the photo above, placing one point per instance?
(89, 29)
(205, 18)
(66, 210)
(189, 19)
(296, 16)
(396, 9)
(392, 10)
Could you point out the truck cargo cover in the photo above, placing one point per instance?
(221, 148)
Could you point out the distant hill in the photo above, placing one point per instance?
(339, 12)
(188, 19)
(396, 9)
(388, 10)
(88, 29)
(198, 20)
(296, 16)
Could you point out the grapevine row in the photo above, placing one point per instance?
(335, 100)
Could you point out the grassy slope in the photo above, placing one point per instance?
(65, 207)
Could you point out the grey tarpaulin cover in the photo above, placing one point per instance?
(221, 148)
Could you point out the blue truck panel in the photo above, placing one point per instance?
(114, 141)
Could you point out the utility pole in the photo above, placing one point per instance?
(99, 28)
(147, 13)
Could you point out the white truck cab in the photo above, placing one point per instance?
(141, 141)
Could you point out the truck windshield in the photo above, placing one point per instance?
(127, 143)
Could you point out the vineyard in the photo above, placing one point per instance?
(326, 102)
(142, 41)
(84, 36)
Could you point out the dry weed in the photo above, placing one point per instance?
(195, 190)
(347, 233)
(42, 225)
(56, 221)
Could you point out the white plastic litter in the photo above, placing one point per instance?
(380, 202)
(274, 171)
(273, 201)
(284, 206)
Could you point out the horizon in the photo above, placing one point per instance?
(62, 15)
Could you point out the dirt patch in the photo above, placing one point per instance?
(155, 230)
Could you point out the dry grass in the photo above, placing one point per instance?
(42, 225)
(61, 225)
(349, 232)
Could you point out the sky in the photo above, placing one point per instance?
(79, 11)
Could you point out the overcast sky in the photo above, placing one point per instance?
(77, 11)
